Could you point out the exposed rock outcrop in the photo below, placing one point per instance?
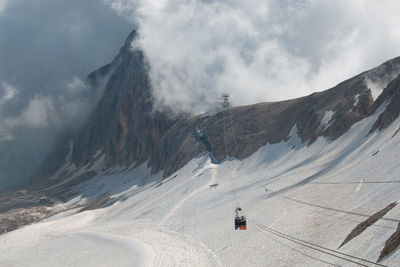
(392, 111)
(391, 244)
(22, 207)
(367, 223)
(123, 126)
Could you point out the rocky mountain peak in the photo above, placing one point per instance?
(124, 128)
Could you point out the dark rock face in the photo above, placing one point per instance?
(123, 126)
(392, 111)
(22, 207)
(391, 244)
(367, 223)
(126, 129)
(256, 125)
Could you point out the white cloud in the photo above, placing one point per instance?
(259, 50)
(76, 86)
(66, 41)
(38, 114)
(3, 4)
(9, 92)
(48, 112)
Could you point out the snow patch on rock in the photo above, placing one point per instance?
(376, 88)
(326, 119)
(356, 100)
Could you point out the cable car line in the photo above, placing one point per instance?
(239, 220)
(258, 228)
(344, 219)
(308, 246)
(333, 209)
(233, 129)
(225, 105)
(351, 182)
(369, 182)
(296, 240)
(350, 220)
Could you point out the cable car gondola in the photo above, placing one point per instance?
(240, 221)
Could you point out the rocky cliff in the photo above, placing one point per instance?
(329, 114)
(123, 126)
(125, 129)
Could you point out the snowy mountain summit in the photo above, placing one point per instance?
(317, 178)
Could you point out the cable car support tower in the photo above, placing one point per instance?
(240, 220)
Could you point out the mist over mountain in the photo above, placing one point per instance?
(47, 48)
(257, 50)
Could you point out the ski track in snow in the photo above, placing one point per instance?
(212, 180)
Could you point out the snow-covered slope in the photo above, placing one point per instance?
(316, 193)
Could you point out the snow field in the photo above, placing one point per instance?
(316, 193)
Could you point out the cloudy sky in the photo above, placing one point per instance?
(47, 47)
(259, 50)
(256, 50)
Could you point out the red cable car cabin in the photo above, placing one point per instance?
(240, 221)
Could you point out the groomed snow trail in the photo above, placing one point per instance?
(163, 247)
(120, 244)
(211, 167)
(100, 238)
